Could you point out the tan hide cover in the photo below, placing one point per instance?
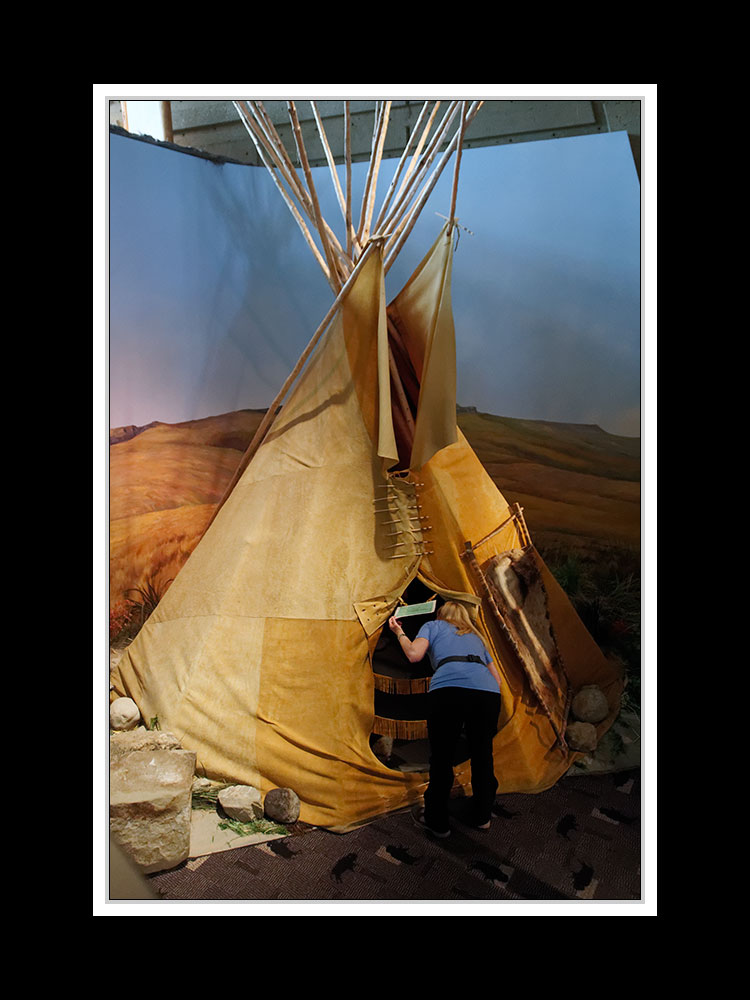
(257, 656)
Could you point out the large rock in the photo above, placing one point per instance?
(150, 798)
(241, 802)
(590, 705)
(581, 736)
(123, 714)
(141, 739)
(282, 805)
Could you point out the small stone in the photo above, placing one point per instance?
(590, 705)
(123, 714)
(383, 747)
(241, 802)
(282, 805)
(581, 736)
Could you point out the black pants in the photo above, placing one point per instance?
(449, 710)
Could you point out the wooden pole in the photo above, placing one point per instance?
(260, 125)
(397, 242)
(376, 160)
(402, 161)
(272, 141)
(284, 194)
(350, 236)
(400, 394)
(365, 196)
(348, 155)
(458, 164)
(311, 188)
(405, 196)
(166, 120)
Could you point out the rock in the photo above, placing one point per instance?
(581, 736)
(123, 714)
(149, 812)
(590, 704)
(241, 802)
(140, 739)
(282, 805)
(383, 747)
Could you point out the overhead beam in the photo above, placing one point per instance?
(214, 127)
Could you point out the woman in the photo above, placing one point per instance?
(464, 691)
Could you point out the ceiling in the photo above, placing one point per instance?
(214, 129)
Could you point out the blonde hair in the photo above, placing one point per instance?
(457, 615)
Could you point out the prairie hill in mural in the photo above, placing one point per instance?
(579, 487)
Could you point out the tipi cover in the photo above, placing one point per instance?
(260, 655)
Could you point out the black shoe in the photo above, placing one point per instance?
(462, 812)
(417, 814)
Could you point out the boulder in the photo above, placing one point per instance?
(241, 802)
(282, 805)
(590, 704)
(141, 739)
(581, 736)
(150, 798)
(123, 714)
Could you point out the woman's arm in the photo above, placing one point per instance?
(413, 651)
(494, 671)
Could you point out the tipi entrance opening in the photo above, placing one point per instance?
(401, 694)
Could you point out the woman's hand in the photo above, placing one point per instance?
(395, 625)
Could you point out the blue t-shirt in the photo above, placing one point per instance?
(444, 641)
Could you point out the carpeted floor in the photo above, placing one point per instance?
(580, 841)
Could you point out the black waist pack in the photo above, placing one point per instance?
(471, 658)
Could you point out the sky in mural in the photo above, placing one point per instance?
(213, 292)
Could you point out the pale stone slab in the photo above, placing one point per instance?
(150, 806)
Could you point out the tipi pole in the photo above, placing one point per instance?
(404, 155)
(267, 134)
(408, 190)
(262, 131)
(313, 195)
(335, 177)
(458, 164)
(270, 415)
(284, 194)
(348, 155)
(368, 202)
(397, 242)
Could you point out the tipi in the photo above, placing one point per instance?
(268, 655)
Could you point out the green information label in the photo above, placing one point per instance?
(415, 609)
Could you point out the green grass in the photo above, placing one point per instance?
(264, 826)
(606, 592)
